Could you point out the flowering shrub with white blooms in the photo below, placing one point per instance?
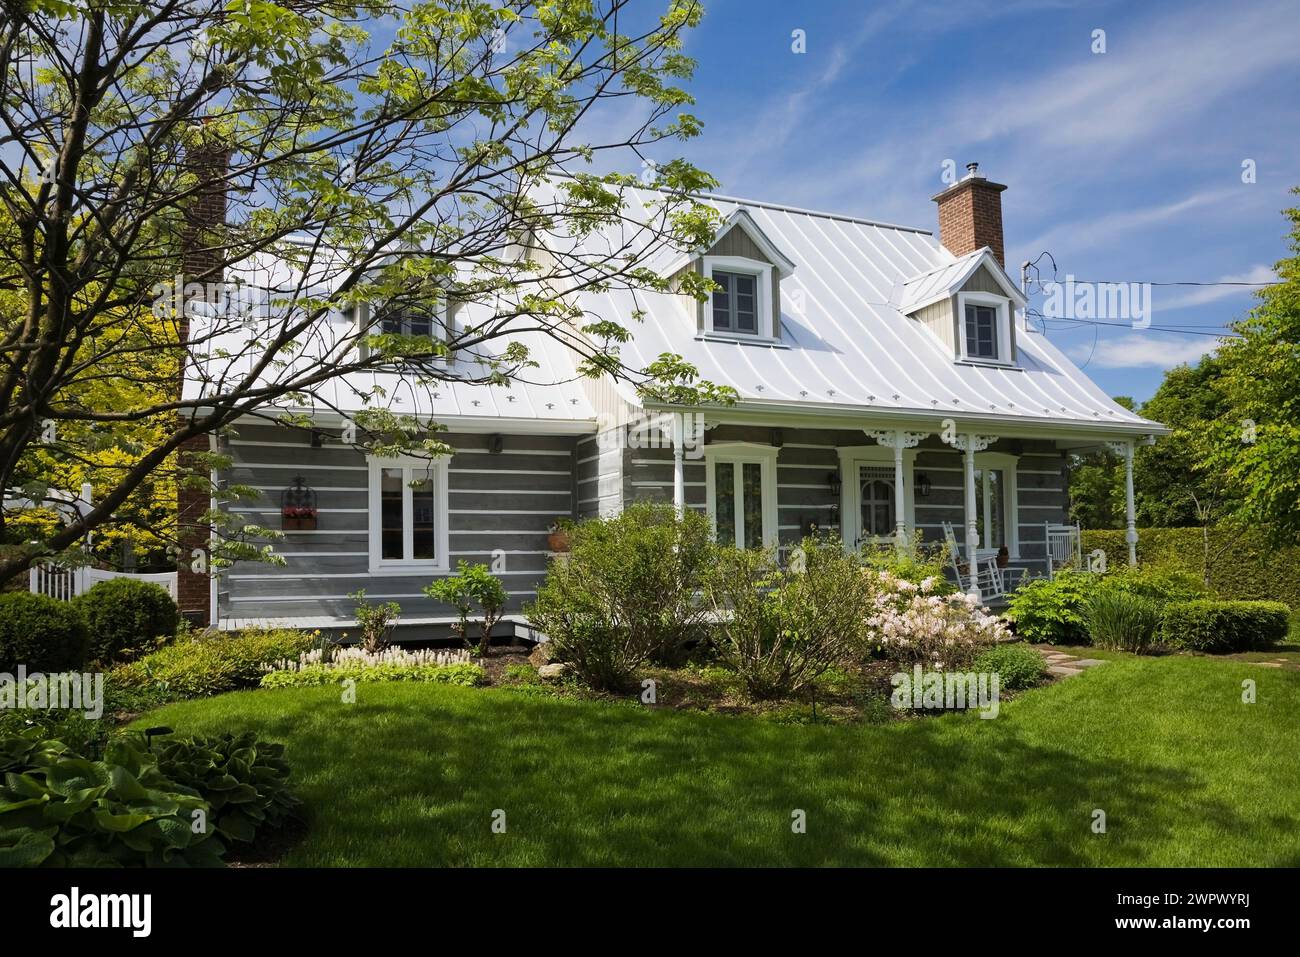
(344, 658)
(911, 621)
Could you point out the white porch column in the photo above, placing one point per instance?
(972, 519)
(679, 465)
(1130, 506)
(898, 440)
(970, 444)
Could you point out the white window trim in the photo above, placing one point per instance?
(876, 456)
(762, 298)
(406, 566)
(1003, 306)
(1007, 464)
(739, 453)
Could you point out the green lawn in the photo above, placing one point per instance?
(410, 775)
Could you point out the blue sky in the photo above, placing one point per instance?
(1125, 165)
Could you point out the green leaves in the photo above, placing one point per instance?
(64, 810)
(245, 781)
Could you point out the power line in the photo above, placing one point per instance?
(1177, 330)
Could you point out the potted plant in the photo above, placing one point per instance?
(1004, 557)
(558, 538)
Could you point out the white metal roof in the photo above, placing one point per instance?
(845, 344)
(550, 392)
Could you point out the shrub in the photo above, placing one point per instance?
(472, 584)
(42, 633)
(1122, 620)
(1017, 666)
(914, 621)
(916, 562)
(1224, 626)
(628, 592)
(206, 664)
(780, 630)
(375, 621)
(1051, 610)
(125, 617)
(310, 676)
(244, 781)
(58, 809)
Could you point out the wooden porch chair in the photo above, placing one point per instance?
(983, 572)
(1064, 547)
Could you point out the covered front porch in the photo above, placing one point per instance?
(997, 495)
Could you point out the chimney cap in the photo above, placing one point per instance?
(973, 169)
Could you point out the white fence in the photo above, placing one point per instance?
(66, 583)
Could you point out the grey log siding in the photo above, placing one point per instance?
(809, 456)
(503, 501)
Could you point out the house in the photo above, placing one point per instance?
(888, 385)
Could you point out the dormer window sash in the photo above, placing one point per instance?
(983, 322)
(741, 308)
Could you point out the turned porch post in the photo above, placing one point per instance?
(679, 465)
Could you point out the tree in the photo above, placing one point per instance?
(415, 156)
(1172, 484)
(1255, 445)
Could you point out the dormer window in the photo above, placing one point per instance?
(981, 331)
(403, 321)
(735, 302)
(984, 321)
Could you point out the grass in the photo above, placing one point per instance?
(410, 775)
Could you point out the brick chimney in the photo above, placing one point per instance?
(970, 215)
(201, 262)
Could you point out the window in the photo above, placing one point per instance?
(735, 304)
(878, 502)
(408, 515)
(996, 510)
(981, 332)
(742, 493)
(984, 328)
(742, 306)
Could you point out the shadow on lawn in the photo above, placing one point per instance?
(406, 783)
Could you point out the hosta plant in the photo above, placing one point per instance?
(246, 781)
(58, 809)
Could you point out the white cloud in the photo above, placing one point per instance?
(1135, 351)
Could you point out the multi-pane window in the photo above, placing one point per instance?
(878, 503)
(981, 332)
(735, 302)
(406, 321)
(739, 492)
(991, 507)
(408, 514)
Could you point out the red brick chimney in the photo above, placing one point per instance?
(201, 261)
(970, 215)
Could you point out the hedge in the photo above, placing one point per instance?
(1248, 569)
(126, 617)
(1224, 626)
(42, 633)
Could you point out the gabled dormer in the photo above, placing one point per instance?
(969, 305)
(747, 268)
